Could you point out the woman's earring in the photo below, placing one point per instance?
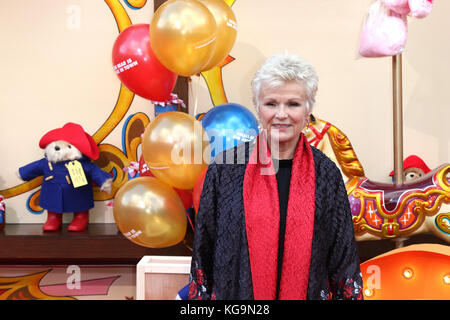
(307, 127)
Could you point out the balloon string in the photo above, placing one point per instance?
(187, 246)
(190, 222)
(196, 95)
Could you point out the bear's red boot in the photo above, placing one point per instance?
(54, 221)
(80, 221)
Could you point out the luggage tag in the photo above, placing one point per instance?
(76, 173)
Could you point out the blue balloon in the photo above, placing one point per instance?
(228, 125)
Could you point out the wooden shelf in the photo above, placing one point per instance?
(99, 244)
(103, 244)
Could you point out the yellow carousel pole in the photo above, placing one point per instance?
(398, 126)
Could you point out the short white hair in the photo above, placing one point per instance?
(282, 68)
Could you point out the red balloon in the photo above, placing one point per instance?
(144, 170)
(137, 66)
(197, 191)
(185, 195)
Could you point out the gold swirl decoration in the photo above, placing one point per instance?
(351, 184)
(443, 222)
(26, 288)
(111, 158)
(344, 153)
(340, 145)
(213, 79)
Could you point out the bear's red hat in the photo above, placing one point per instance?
(413, 161)
(74, 134)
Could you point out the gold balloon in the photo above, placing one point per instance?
(226, 30)
(176, 149)
(183, 36)
(150, 213)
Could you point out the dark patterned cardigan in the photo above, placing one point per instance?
(220, 262)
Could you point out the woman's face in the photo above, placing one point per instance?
(283, 113)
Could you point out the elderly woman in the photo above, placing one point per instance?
(278, 224)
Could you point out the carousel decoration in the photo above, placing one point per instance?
(395, 211)
(382, 210)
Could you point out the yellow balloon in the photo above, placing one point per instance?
(183, 36)
(226, 30)
(150, 213)
(176, 149)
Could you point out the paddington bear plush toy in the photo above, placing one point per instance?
(413, 168)
(68, 174)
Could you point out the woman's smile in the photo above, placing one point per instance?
(280, 126)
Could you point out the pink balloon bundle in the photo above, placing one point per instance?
(385, 29)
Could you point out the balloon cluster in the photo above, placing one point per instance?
(191, 36)
(176, 151)
(151, 210)
(184, 37)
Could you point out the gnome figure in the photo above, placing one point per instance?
(68, 173)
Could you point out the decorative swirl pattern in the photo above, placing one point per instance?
(25, 288)
(33, 203)
(21, 188)
(112, 159)
(135, 4)
(134, 128)
(443, 222)
(344, 152)
(213, 78)
(341, 145)
(370, 212)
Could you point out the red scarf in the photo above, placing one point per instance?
(262, 218)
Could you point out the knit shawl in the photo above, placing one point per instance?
(262, 217)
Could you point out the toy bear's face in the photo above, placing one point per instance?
(60, 150)
(413, 174)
